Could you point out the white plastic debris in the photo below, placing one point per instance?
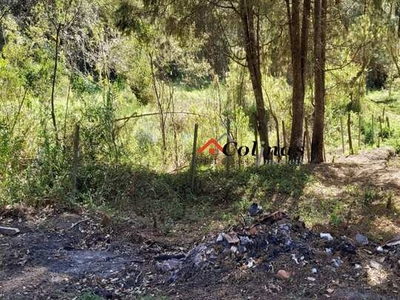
(328, 251)
(379, 249)
(314, 270)
(294, 258)
(234, 249)
(357, 266)
(326, 236)
(251, 263)
(311, 279)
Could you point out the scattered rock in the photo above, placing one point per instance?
(361, 239)
(337, 262)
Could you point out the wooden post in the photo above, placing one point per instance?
(284, 141)
(349, 133)
(372, 130)
(307, 137)
(75, 162)
(228, 161)
(359, 131)
(194, 158)
(342, 133)
(255, 136)
(380, 138)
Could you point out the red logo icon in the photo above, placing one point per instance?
(211, 150)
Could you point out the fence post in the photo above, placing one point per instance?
(342, 133)
(75, 162)
(307, 136)
(372, 130)
(194, 158)
(284, 141)
(349, 133)
(255, 136)
(359, 131)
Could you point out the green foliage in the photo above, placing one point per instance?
(370, 195)
(90, 296)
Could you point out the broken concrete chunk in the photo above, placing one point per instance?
(9, 230)
(326, 236)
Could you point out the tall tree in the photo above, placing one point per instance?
(207, 19)
(298, 31)
(317, 146)
(252, 49)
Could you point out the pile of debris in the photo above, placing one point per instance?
(272, 240)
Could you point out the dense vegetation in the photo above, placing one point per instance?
(98, 94)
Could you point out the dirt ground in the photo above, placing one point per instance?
(65, 255)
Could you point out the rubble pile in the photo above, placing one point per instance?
(273, 243)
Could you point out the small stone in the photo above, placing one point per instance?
(330, 291)
(379, 249)
(326, 236)
(234, 249)
(337, 262)
(357, 266)
(220, 238)
(311, 279)
(314, 270)
(361, 239)
(282, 274)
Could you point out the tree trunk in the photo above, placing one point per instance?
(253, 62)
(317, 147)
(53, 85)
(299, 48)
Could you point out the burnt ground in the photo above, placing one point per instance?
(65, 255)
